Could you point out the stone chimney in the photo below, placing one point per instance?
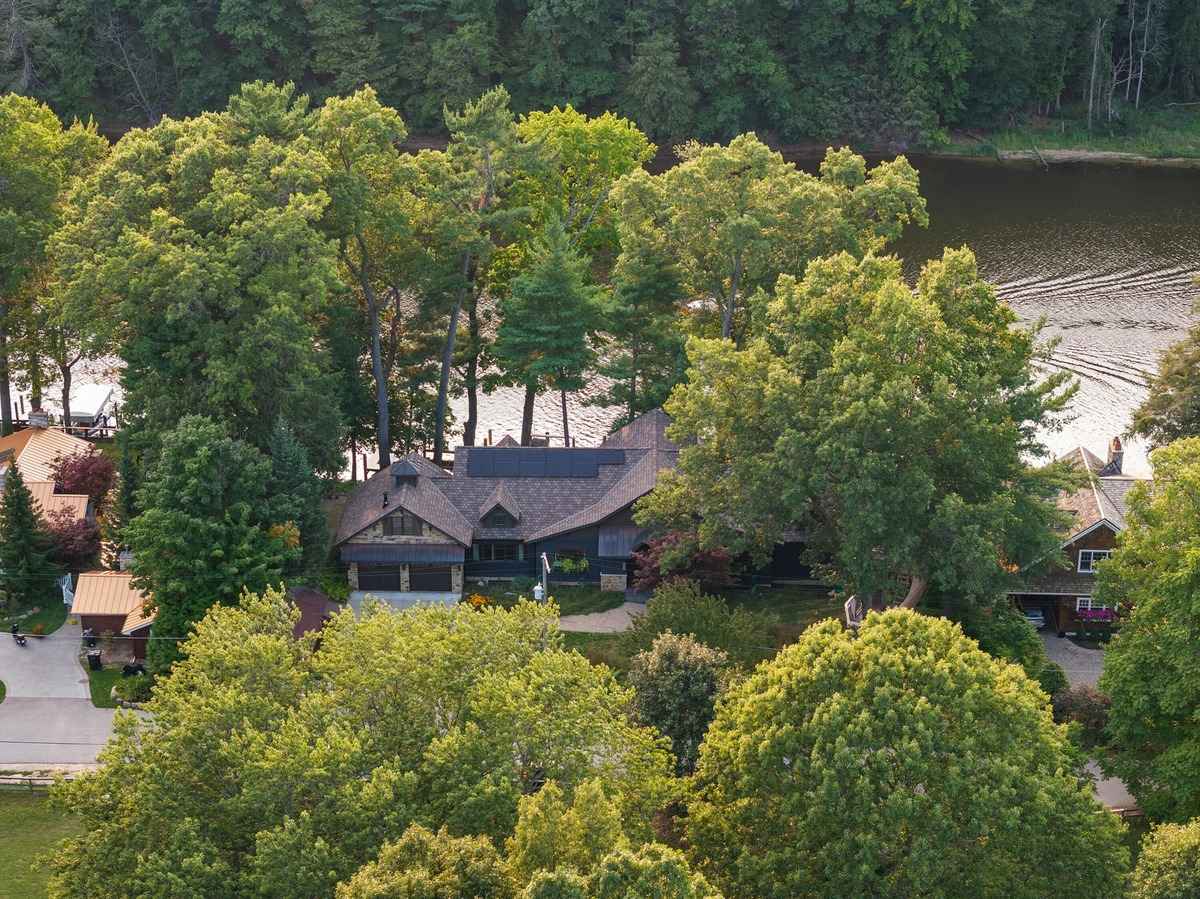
(1116, 457)
(39, 418)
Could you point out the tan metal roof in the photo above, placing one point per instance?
(50, 502)
(110, 593)
(35, 450)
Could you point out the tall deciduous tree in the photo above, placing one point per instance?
(205, 533)
(892, 425)
(1168, 866)
(27, 574)
(1154, 577)
(301, 764)
(360, 138)
(38, 158)
(546, 320)
(736, 217)
(195, 247)
(942, 763)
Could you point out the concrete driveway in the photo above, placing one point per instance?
(1083, 666)
(47, 717)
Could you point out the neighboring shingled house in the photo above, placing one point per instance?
(414, 531)
(1065, 596)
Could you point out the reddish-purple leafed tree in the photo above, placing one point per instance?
(90, 472)
(75, 541)
(680, 555)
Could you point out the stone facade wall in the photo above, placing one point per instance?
(456, 578)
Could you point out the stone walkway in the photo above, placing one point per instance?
(47, 717)
(611, 622)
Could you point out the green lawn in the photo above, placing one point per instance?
(50, 616)
(29, 827)
(102, 682)
(3, 690)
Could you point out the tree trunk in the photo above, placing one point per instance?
(566, 422)
(471, 425)
(915, 591)
(731, 304)
(439, 423)
(65, 371)
(1145, 49)
(527, 415)
(1132, 18)
(6, 420)
(633, 361)
(383, 423)
(35, 380)
(1095, 63)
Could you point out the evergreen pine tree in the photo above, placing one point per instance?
(542, 341)
(27, 576)
(645, 357)
(294, 494)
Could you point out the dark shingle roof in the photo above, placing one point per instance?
(422, 498)
(1102, 498)
(542, 506)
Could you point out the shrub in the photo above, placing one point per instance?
(677, 682)
(1085, 706)
(1169, 866)
(91, 473)
(135, 689)
(38, 629)
(680, 606)
(1053, 679)
(676, 555)
(1003, 632)
(75, 541)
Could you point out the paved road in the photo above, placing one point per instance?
(47, 717)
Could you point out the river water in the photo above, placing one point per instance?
(1106, 254)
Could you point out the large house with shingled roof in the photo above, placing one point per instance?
(415, 531)
(1065, 595)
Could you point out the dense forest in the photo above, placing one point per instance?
(887, 70)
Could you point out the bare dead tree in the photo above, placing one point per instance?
(135, 64)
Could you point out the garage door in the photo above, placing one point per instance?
(379, 577)
(429, 578)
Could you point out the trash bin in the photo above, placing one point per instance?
(93, 657)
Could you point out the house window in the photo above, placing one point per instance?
(402, 524)
(1089, 557)
(1087, 604)
(497, 552)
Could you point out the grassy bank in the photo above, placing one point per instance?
(29, 828)
(50, 617)
(101, 684)
(1169, 133)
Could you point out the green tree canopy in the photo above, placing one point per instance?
(542, 341)
(676, 684)
(194, 251)
(1169, 864)
(427, 865)
(1149, 669)
(892, 425)
(27, 574)
(938, 768)
(736, 217)
(38, 159)
(1172, 408)
(653, 870)
(282, 769)
(205, 531)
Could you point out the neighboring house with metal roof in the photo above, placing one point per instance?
(77, 505)
(108, 604)
(415, 531)
(34, 449)
(1065, 596)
